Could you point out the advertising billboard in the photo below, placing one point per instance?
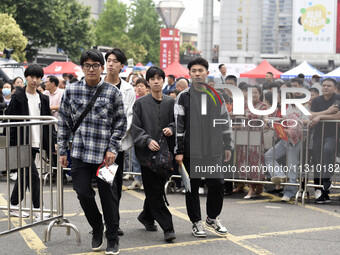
(314, 26)
(169, 48)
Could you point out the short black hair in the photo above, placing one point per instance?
(34, 70)
(270, 74)
(15, 79)
(73, 80)
(174, 91)
(301, 76)
(70, 76)
(53, 79)
(141, 80)
(315, 90)
(65, 74)
(172, 77)
(153, 71)
(231, 77)
(329, 79)
(120, 55)
(243, 85)
(220, 66)
(42, 85)
(199, 61)
(92, 54)
(269, 97)
(298, 80)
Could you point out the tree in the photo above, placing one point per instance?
(130, 48)
(49, 23)
(186, 47)
(112, 22)
(11, 37)
(74, 33)
(145, 27)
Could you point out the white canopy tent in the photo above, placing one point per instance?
(304, 68)
(335, 74)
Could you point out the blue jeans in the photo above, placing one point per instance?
(135, 167)
(292, 167)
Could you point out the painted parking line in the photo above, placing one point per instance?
(30, 237)
(243, 243)
(289, 232)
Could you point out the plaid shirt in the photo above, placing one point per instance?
(102, 128)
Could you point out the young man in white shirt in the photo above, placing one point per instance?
(29, 101)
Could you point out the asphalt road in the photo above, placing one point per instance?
(258, 226)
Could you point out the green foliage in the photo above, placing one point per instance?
(112, 22)
(11, 37)
(145, 26)
(186, 46)
(46, 23)
(130, 48)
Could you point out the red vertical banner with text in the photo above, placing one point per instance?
(169, 48)
(338, 30)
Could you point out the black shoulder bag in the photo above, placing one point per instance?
(87, 109)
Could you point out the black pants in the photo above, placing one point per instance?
(214, 197)
(119, 176)
(154, 205)
(35, 184)
(328, 159)
(82, 174)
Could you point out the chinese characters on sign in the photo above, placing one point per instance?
(169, 48)
(314, 26)
(242, 25)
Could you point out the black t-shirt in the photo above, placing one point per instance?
(319, 104)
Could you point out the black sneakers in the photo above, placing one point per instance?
(169, 236)
(149, 226)
(112, 247)
(323, 199)
(120, 232)
(97, 239)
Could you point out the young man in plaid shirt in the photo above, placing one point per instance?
(97, 137)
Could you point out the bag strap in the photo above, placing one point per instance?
(87, 109)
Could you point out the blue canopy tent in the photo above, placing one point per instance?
(149, 64)
(304, 68)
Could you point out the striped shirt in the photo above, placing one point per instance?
(102, 128)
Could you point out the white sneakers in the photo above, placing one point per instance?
(14, 212)
(135, 185)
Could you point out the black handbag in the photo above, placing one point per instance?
(161, 162)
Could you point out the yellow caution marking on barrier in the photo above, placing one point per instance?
(30, 237)
(244, 244)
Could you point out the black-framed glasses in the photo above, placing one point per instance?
(94, 66)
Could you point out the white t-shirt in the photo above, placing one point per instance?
(34, 110)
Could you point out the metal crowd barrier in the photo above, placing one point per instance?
(249, 138)
(19, 157)
(316, 169)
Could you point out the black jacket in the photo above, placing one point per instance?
(195, 135)
(19, 106)
(149, 118)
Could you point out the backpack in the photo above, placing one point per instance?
(161, 162)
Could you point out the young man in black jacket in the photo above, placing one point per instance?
(29, 101)
(152, 117)
(201, 144)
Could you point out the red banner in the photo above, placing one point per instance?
(169, 48)
(280, 131)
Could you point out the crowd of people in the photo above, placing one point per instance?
(132, 122)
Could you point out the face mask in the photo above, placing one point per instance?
(6, 91)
